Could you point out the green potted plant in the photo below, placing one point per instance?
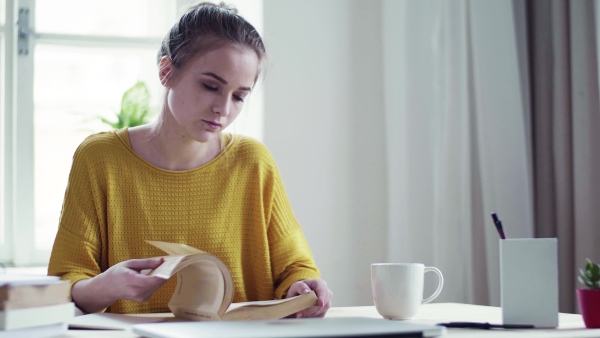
(135, 107)
(589, 296)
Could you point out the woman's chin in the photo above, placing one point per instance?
(205, 137)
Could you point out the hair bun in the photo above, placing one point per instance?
(230, 7)
(221, 5)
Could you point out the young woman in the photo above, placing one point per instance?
(181, 180)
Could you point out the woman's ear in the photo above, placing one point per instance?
(165, 69)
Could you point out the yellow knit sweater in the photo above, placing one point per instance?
(234, 207)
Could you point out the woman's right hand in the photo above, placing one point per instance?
(121, 281)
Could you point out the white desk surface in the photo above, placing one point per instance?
(570, 325)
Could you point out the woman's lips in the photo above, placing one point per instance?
(213, 125)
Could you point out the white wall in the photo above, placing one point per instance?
(324, 123)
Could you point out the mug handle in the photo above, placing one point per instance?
(440, 285)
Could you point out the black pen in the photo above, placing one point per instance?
(498, 225)
(485, 326)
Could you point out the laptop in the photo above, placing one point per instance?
(291, 328)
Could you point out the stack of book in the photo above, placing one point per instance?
(34, 306)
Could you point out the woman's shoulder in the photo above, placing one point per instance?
(249, 147)
(98, 143)
(248, 152)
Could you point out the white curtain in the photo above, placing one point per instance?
(464, 134)
(457, 138)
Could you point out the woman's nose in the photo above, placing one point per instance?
(221, 106)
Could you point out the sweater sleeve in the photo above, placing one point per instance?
(77, 249)
(291, 258)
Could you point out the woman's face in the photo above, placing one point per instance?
(210, 93)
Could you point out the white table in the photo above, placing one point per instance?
(570, 325)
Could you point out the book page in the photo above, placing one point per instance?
(176, 249)
(204, 285)
(271, 309)
(199, 292)
(168, 268)
(260, 303)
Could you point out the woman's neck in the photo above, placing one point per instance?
(170, 149)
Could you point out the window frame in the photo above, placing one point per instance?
(6, 122)
(18, 140)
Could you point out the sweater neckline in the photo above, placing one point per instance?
(226, 139)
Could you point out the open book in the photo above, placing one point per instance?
(205, 289)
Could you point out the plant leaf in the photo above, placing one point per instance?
(134, 104)
(135, 107)
(590, 276)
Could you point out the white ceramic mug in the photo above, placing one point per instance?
(398, 288)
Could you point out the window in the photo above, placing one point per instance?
(5, 247)
(71, 68)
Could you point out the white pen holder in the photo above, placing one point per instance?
(529, 281)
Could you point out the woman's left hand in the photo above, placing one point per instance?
(323, 293)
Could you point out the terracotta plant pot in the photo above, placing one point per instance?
(589, 305)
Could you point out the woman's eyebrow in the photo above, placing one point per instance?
(216, 77)
(222, 80)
